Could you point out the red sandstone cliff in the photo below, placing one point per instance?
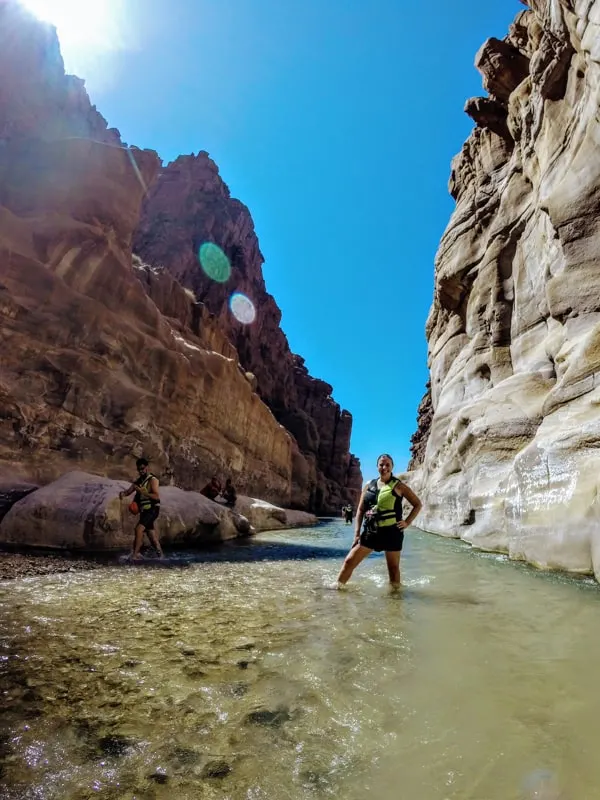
(188, 205)
(104, 358)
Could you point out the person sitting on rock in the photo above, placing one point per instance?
(229, 493)
(212, 489)
(147, 499)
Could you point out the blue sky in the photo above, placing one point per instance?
(335, 122)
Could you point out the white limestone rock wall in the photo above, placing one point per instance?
(512, 461)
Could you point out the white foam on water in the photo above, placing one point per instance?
(424, 580)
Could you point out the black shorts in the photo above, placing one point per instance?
(390, 538)
(148, 518)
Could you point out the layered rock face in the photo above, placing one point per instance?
(512, 450)
(104, 360)
(106, 357)
(190, 205)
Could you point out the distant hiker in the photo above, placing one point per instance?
(147, 500)
(348, 513)
(212, 488)
(229, 493)
(380, 507)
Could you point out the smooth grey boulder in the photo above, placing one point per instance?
(80, 511)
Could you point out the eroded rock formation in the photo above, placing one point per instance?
(189, 205)
(105, 357)
(511, 461)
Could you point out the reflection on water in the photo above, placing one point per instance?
(243, 677)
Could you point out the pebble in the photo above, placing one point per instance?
(158, 777)
(216, 769)
(263, 716)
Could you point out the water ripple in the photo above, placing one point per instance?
(241, 677)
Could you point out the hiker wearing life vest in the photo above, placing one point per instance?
(380, 508)
(147, 505)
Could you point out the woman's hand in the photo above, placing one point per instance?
(402, 524)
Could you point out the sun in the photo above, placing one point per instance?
(85, 27)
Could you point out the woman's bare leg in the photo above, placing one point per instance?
(351, 562)
(392, 558)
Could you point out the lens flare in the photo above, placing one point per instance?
(214, 262)
(242, 308)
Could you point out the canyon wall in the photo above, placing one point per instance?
(190, 205)
(508, 447)
(106, 357)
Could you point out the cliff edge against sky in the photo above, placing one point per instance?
(106, 357)
(507, 452)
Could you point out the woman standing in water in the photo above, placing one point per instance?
(381, 509)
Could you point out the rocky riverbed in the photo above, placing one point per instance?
(243, 676)
(25, 565)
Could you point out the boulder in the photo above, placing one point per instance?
(80, 511)
(264, 516)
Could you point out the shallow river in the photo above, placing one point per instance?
(242, 676)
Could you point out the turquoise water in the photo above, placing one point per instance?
(242, 676)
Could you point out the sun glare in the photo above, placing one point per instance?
(87, 29)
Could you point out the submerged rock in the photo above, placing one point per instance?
(115, 745)
(185, 756)
(218, 768)
(159, 777)
(269, 718)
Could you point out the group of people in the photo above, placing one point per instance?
(379, 525)
(213, 490)
(146, 504)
